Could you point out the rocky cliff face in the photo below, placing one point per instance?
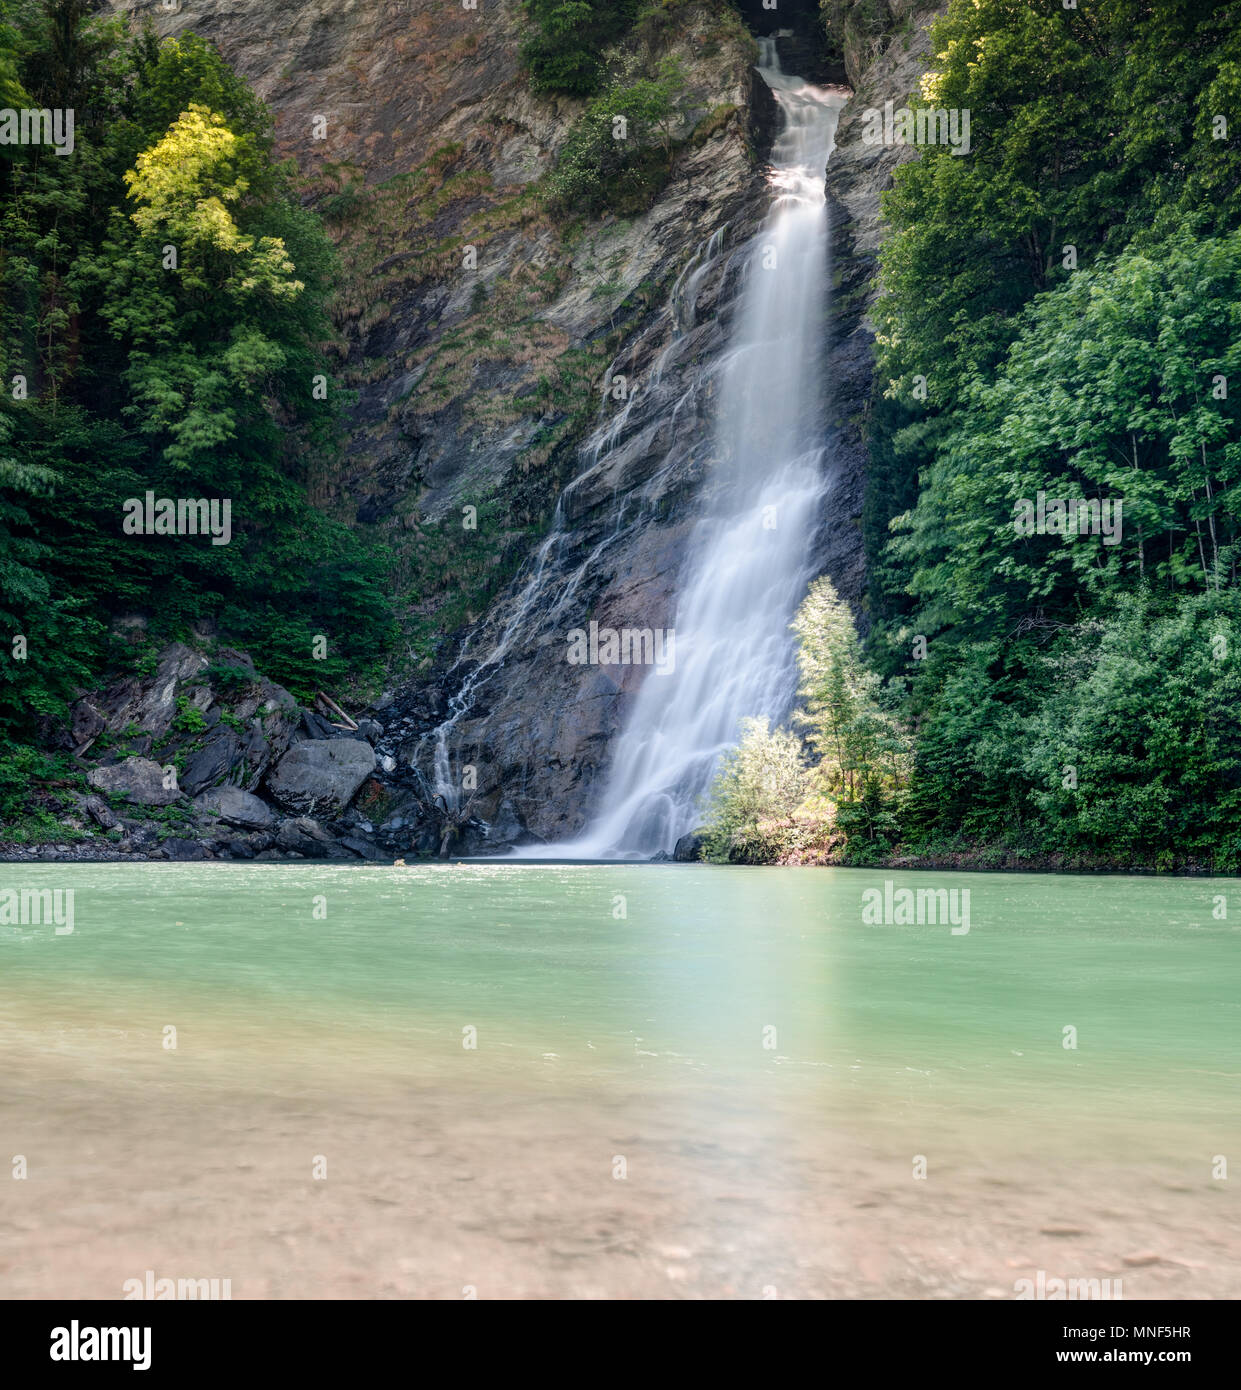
(532, 427)
(886, 50)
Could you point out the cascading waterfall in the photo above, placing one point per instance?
(748, 564)
(541, 600)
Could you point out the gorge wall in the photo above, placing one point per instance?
(529, 428)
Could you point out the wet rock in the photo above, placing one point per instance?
(137, 780)
(180, 849)
(321, 774)
(100, 813)
(505, 827)
(215, 759)
(237, 807)
(364, 849)
(305, 837)
(688, 848)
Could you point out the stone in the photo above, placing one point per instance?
(176, 848)
(314, 726)
(137, 780)
(215, 759)
(100, 813)
(87, 723)
(321, 775)
(505, 826)
(151, 702)
(364, 849)
(688, 849)
(237, 807)
(306, 837)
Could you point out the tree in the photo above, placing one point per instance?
(763, 778)
(618, 154)
(563, 53)
(856, 738)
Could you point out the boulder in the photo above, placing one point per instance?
(211, 762)
(321, 775)
(176, 848)
(136, 779)
(305, 836)
(364, 849)
(688, 849)
(264, 741)
(100, 812)
(237, 807)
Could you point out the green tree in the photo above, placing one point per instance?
(764, 778)
(564, 51)
(856, 738)
(618, 154)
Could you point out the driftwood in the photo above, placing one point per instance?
(335, 709)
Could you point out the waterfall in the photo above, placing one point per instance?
(749, 560)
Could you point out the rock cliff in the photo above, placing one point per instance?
(530, 418)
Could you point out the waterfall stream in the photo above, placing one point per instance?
(749, 561)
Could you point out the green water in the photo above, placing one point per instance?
(476, 1046)
(727, 972)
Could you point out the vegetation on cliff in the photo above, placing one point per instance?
(162, 299)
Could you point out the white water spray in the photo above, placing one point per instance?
(748, 565)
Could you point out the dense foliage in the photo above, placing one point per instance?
(564, 50)
(618, 153)
(161, 314)
(1059, 320)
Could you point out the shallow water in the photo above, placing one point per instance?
(687, 1082)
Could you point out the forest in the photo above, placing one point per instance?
(1057, 317)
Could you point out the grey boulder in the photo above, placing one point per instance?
(321, 775)
(305, 836)
(237, 807)
(136, 779)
